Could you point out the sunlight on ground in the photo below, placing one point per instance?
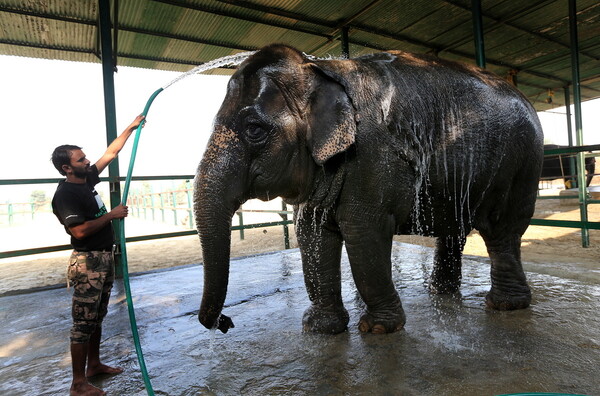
(18, 343)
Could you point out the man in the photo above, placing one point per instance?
(81, 211)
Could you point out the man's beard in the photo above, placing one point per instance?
(81, 174)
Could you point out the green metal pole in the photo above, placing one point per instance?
(110, 115)
(572, 163)
(478, 33)
(568, 108)
(585, 234)
(345, 43)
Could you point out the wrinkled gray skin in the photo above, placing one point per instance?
(391, 143)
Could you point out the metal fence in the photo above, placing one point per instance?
(178, 205)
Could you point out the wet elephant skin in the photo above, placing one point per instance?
(366, 148)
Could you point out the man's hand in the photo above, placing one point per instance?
(119, 212)
(91, 227)
(115, 147)
(141, 119)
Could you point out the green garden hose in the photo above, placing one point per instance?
(231, 60)
(134, 331)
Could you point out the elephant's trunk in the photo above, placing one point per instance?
(218, 193)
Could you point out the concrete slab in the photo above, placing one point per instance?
(450, 345)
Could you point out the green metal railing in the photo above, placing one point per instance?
(285, 222)
(582, 224)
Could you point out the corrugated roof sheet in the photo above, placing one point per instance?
(531, 38)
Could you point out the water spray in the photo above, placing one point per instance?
(232, 60)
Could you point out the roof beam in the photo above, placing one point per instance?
(92, 52)
(328, 36)
(90, 22)
(279, 12)
(186, 38)
(345, 24)
(50, 47)
(122, 28)
(500, 22)
(491, 61)
(215, 11)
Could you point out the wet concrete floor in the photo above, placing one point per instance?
(450, 345)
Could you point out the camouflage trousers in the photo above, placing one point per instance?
(92, 275)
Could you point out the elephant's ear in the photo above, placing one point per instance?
(331, 117)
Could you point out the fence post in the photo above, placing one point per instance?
(286, 231)
(10, 214)
(241, 218)
(152, 202)
(174, 196)
(162, 206)
(188, 189)
(144, 206)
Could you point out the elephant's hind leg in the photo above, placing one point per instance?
(447, 265)
(509, 285)
(503, 241)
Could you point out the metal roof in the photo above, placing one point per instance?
(527, 39)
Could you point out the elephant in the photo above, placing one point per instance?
(365, 149)
(558, 166)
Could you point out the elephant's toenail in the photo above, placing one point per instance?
(378, 329)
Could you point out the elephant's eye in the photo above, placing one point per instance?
(255, 134)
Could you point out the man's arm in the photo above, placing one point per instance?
(115, 147)
(90, 227)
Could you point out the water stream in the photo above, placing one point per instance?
(231, 60)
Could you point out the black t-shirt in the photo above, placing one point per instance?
(75, 204)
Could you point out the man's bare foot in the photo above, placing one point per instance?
(102, 369)
(85, 389)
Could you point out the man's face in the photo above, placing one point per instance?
(80, 165)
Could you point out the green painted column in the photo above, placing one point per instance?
(572, 162)
(585, 234)
(478, 32)
(110, 113)
(345, 43)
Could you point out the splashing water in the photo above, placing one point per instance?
(212, 338)
(231, 60)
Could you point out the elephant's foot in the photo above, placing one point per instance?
(508, 301)
(332, 319)
(381, 322)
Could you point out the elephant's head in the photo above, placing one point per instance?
(284, 116)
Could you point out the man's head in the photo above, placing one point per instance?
(69, 159)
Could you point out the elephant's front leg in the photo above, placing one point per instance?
(321, 249)
(369, 245)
